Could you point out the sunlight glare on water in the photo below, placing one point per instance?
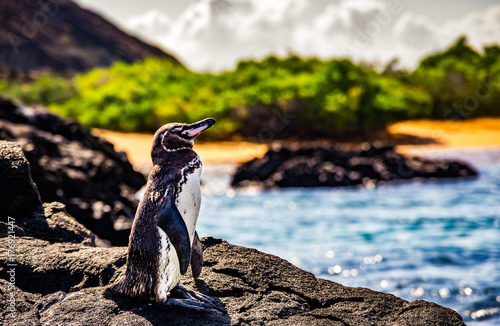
(436, 241)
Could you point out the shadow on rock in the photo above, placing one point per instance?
(156, 314)
(94, 307)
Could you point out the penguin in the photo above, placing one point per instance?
(163, 241)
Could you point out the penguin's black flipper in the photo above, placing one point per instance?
(196, 256)
(171, 222)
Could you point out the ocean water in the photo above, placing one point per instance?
(436, 240)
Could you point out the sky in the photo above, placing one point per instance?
(213, 35)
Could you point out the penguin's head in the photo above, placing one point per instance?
(176, 136)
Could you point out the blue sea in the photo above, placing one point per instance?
(433, 240)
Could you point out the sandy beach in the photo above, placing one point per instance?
(442, 135)
(429, 135)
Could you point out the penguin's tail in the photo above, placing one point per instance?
(116, 288)
(127, 287)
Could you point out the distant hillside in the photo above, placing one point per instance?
(58, 35)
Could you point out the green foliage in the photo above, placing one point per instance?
(46, 89)
(461, 81)
(274, 97)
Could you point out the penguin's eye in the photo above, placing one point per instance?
(175, 130)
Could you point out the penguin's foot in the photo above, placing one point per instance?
(191, 300)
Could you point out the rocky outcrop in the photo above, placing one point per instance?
(45, 268)
(58, 35)
(54, 224)
(21, 210)
(20, 201)
(63, 282)
(18, 194)
(71, 166)
(327, 165)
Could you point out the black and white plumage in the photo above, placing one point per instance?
(163, 242)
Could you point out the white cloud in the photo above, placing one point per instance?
(152, 22)
(356, 29)
(481, 26)
(418, 36)
(214, 34)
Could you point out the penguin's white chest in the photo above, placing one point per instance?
(188, 203)
(169, 271)
(189, 200)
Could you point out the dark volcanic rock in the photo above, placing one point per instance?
(18, 193)
(46, 268)
(254, 287)
(52, 223)
(71, 166)
(23, 301)
(58, 35)
(90, 307)
(55, 225)
(21, 208)
(331, 166)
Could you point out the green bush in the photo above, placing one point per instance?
(461, 81)
(46, 89)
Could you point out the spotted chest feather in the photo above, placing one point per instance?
(188, 198)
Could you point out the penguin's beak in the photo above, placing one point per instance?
(194, 129)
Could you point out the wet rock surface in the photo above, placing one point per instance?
(71, 166)
(64, 282)
(326, 165)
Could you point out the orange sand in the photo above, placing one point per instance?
(474, 133)
(483, 132)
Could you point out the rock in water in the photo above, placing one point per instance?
(71, 166)
(327, 165)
